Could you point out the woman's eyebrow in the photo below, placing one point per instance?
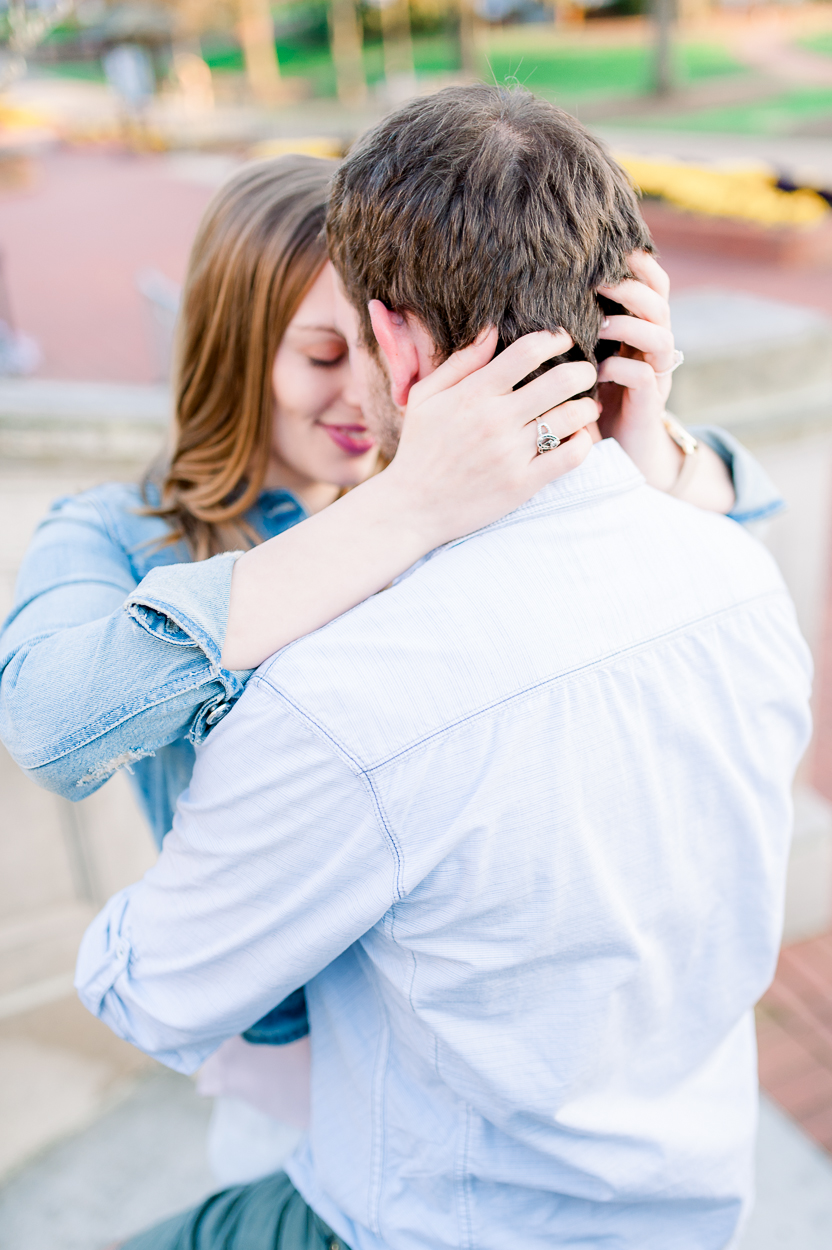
(320, 329)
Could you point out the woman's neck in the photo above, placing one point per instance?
(314, 496)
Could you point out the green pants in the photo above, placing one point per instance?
(267, 1215)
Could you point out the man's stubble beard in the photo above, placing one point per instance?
(384, 416)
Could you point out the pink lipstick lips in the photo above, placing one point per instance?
(353, 439)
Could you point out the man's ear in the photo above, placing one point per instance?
(405, 346)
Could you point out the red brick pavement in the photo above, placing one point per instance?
(794, 1034)
(812, 287)
(72, 242)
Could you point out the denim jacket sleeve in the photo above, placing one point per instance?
(99, 668)
(757, 498)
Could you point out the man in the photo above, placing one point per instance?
(520, 823)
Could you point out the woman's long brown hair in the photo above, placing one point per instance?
(259, 248)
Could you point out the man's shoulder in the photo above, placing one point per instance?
(516, 608)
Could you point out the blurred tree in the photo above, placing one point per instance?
(467, 40)
(664, 15)
(256, 30)
(398, 40)
(347, 52)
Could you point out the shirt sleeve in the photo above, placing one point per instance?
(135, 665)
(757, 498)
(277, 862)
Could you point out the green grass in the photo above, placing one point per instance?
(88, 71)
(432, 54)
(590, 71)
(775, 116)
(818, 43)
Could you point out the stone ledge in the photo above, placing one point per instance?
(754, 364)
(768, 419)
(41, 419)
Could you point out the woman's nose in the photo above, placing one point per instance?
(349, 392)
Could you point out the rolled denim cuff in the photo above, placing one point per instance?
(757, 498)
(186, 605)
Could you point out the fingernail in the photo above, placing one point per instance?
(605, 323)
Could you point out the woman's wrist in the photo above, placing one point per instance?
(667, 463)
(411, 507)
(711, 486)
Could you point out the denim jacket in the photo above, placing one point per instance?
(131, 634)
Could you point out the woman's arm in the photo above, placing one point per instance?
(306, 577)
(756, 498)
(99, 669)
(92, 676)
(467, 456)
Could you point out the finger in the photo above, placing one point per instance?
(554, 464)
(644, 336)
(640, 300)
(648, 270)
(553, 388)
(574, 415)
(521, 358)
(636, 375)
(458, 366)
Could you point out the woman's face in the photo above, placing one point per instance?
(320, 442)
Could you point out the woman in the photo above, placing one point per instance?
(136, 602)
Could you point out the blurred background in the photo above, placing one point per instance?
(117, 123)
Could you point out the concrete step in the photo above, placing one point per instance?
(42, 419)
(141, 1162)
(60, 1070)
(758, 366)
(38, 946)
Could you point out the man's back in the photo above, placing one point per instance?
(533, 803)
(579, 730)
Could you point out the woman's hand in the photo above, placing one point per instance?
(468, 455)
(468, 450)
(633, 395)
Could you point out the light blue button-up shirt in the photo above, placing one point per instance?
(521, 825)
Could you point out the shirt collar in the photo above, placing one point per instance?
(278, 504)
(607, 470)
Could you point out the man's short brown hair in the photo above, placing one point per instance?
(483, 206)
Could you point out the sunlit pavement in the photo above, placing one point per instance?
(146, 1159)
(139, 1163)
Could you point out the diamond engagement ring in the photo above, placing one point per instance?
(678, 359)
(546, 440)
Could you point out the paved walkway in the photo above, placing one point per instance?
(794, 1030)
(73, 241)
(140, 1163)
(146, 1159)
